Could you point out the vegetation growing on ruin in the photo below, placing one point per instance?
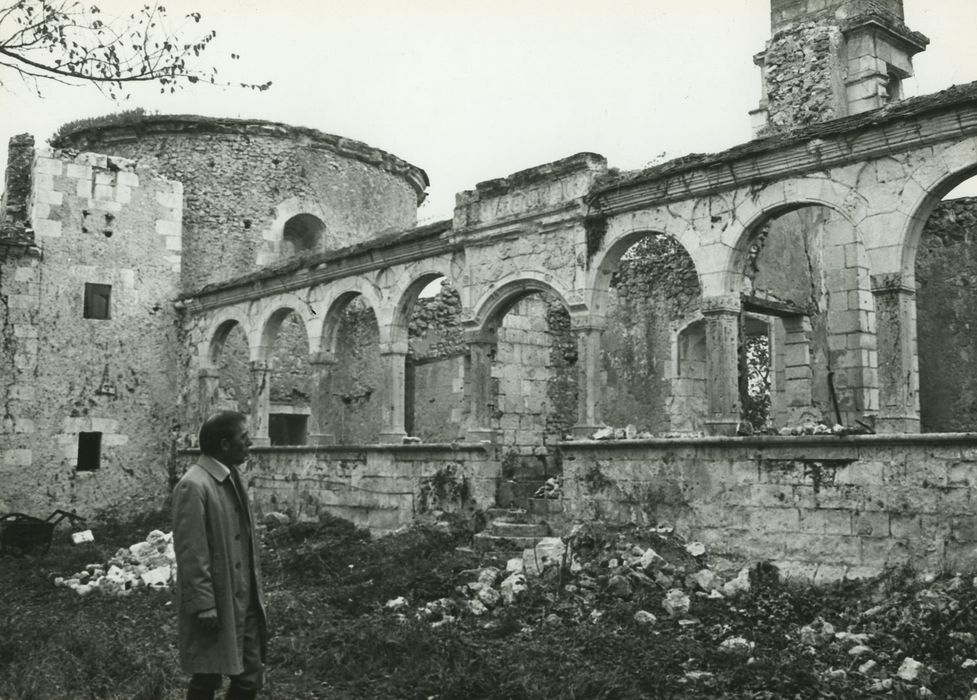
(328, 585)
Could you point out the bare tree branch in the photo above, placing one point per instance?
(69, 42)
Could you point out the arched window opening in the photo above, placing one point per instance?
(653, 287)
(302, 234)
(289, 392)
(808, 354)
(435, 365)
(946, 313)
(235, 390)
(351, 399)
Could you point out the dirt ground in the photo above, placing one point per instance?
(420, 614)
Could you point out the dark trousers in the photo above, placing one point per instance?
(245, 685)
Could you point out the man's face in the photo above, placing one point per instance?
(237, 447)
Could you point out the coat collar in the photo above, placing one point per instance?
(210, 465)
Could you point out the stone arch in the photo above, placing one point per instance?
(220, 329)
(774, 201)
(935, 180)
(504, 294)
(295, 209)
(404, 295)
(604, 267)
(337, 300)
(270, 324)
(303, 233)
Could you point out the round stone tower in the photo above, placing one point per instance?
(258, 192)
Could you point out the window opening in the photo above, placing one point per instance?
(97, 301)
(288, 428)
(89, 452)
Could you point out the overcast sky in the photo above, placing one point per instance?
(472, 90)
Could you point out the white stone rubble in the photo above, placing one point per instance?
(148, 564)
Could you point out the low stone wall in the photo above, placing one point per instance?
(380, 487)
(820, 507)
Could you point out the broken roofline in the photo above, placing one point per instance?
(840, 141)
(416, 243)
(131, 127)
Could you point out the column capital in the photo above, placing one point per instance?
(395, 347)
(208, 373)
(721, 304)
(261, 365)
(587, 322)
(892, 283)
(322, 358)
(481, 337)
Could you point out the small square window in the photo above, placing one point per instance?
(287, 429)
(89, 452)
(97, 300)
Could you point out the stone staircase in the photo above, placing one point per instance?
(519, 521)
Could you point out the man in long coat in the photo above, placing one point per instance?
(220, 605)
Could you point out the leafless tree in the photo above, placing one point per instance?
(74, 43)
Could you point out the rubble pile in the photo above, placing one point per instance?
(147, 564)
(587, 569)
(553, 488)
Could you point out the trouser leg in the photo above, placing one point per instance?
(246, 685)
(203, 686)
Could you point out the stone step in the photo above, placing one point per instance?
(544, 507)
(509, 515)
(501, 528)
(485, 542)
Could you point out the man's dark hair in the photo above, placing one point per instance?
(219, 426)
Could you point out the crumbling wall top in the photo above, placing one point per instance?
(132, 127)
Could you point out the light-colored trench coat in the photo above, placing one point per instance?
(211, 522)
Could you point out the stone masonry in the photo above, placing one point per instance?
(192, 264)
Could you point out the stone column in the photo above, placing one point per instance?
(392, 360)
(260, 401)
(798, 375)
(320, 433)
(895, 313)
(481, 351)
(722, 315)
(208, 388)
(589, 333)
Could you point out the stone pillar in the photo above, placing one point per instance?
(481, 351)
(319, 432)
(590, 384)
(895, 312)
(208, 389)
(722, 315)
(260, 401)
(392, 360)
(798, 375)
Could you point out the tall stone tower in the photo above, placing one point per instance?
(832, 58)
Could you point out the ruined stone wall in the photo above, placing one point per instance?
(786, 12)
(105, 221)
(533, 374)
(291, 373)
(803, 72)
(946, 317)
(821, 508)
(352, 405)
(235, 385)
(654, 286)
(377, 487)
(435, 397)
(235, 173)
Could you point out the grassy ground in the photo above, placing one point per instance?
(327, 585)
